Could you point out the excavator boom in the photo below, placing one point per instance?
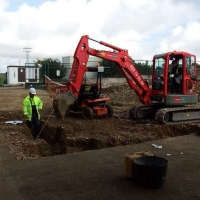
(120, 56)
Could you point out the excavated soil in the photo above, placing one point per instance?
(73, 133)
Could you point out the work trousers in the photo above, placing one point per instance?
(174, 87)
(34, 125)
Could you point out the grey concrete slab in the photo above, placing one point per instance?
(99, 174)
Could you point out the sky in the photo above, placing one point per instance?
(53, 28)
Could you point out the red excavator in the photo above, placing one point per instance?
(160, 101)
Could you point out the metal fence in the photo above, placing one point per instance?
(143, 66)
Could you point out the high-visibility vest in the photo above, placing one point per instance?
(27, 106)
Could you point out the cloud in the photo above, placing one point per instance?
(53, 28)
(177, 30)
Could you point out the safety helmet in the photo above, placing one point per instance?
(32, 90)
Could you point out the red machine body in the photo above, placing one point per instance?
(158, 100)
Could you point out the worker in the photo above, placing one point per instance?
(176, 75)
(31, 106)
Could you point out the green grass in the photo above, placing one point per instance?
(2, 78)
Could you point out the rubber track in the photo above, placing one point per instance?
(160, 114)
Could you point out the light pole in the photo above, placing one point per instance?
(27, 50)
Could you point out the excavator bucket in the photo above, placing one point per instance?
(61, 103)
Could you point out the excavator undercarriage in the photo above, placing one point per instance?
(165, 115)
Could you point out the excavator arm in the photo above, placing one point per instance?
(70, 92)
(130, 72)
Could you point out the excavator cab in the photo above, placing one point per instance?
(174, 80)
(174, 87)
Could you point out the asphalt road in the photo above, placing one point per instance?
(99, 174)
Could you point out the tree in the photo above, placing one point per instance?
(114, 71)
(6, 78)
(49, 67)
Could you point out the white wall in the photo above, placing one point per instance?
(12, 74)
(30, 74)
(68, 60)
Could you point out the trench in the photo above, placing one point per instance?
(60, 142)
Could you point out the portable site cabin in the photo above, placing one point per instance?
(22, 74)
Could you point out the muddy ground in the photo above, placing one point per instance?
(74, 133)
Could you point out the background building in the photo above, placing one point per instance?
(68, 60)
(22, 74)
